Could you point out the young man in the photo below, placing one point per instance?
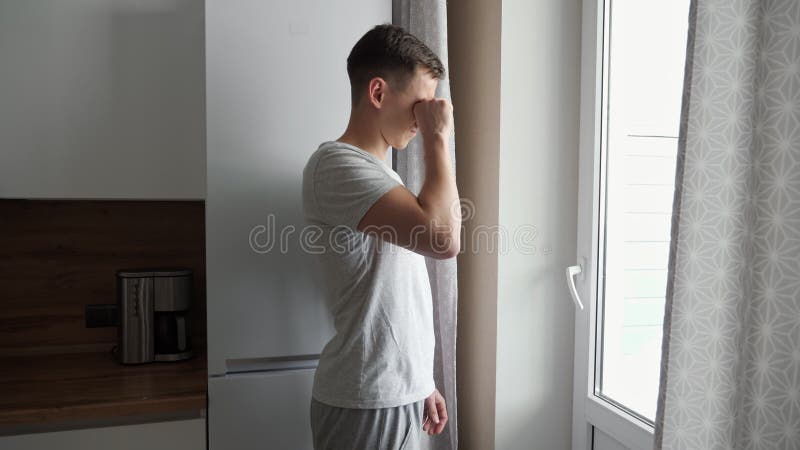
(374, 388)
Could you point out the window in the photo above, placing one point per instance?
(632, 67)
(645, 64)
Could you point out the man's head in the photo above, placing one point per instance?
(390, 70)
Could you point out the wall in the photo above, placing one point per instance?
(102, 99)
(474, 35)
(57, 256)
(539, 122)
(515, 85)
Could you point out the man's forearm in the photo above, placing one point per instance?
(439, 194)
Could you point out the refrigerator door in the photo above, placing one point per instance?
(276, 87)
(269, 410)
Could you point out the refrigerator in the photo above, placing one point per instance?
(276, 87)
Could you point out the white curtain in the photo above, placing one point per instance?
(730, 375)
(427, 20)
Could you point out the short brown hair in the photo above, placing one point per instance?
(390, 52)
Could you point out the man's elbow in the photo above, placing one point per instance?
(447, 250)
(450, 253)
(443, 239)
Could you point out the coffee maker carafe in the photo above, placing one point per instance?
(153, 310)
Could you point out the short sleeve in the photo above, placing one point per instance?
(346, 184)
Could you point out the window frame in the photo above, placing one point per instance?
(591, 410)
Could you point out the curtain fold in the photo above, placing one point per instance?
(427, 20)
(730, 368)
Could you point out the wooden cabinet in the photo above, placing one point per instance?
(187, 434)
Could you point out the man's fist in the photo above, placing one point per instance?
(434, 116)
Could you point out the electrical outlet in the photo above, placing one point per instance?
(101, 316)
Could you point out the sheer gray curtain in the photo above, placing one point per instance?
(730, 376)
(427, 20)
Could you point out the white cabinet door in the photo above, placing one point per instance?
(173, 435)
(257, 410)
(102, 99)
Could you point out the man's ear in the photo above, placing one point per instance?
(376, 91)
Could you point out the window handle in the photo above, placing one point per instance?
(571, 272)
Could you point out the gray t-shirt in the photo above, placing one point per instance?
(379, 293)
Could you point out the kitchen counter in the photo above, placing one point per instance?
(44, 390)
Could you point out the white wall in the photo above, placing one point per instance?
(102, 98)
(539, 118)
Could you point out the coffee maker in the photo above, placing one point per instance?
(153, 315)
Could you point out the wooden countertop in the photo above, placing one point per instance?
(47, 389)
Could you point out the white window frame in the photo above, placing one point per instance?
(589, 409)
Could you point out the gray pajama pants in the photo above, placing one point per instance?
(394, 428)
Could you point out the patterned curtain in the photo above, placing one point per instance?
(427, 20)
(730, 375)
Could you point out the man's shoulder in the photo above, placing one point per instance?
(330, 165)
(335, 156)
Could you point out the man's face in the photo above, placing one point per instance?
(398, 125)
